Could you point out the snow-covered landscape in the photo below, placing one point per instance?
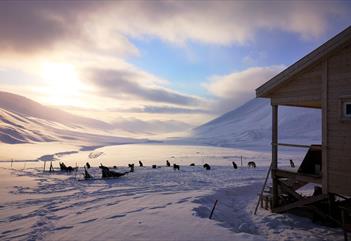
(175, 120)
(148, 204)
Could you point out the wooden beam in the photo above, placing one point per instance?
(300, 203)
(325, 127)
(274, 154)
(293, 145)
(289, 190)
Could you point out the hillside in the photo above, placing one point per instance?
(25, 121)
(250, 126)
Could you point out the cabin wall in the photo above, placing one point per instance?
(338, 129)
(303, 90)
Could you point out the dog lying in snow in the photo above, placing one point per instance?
(251, 164)
(106, 173)
(192, 164)
(207, 167)
(63, 167)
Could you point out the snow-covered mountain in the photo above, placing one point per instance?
(23, 121)
(250, 126)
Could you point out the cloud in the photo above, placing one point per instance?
(221, 22)
(131, 84)
(234, 89)
(30, 26)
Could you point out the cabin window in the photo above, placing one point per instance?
(347, 109)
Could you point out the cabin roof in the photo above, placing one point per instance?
(324, 50)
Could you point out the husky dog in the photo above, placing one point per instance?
(192, 164)
(131, 166)
(106, 173)
(168, 163)
(176, 167)
(63, 167)
(251, 164)
(207, 167)
(234, 165)
(141, 164)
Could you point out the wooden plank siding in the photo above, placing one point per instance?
(303, 90)
(339, 131)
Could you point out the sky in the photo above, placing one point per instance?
(164, 66)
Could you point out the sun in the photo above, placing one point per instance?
(63, 86)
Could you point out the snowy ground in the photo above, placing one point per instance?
(149, 204)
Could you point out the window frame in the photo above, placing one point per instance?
(344, 102)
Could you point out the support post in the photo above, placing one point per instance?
(325, 127)
(274, 155)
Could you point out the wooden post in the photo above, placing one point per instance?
(214, 206)
(325, 127)
(44, 166)
(241, 160)
(274, 154)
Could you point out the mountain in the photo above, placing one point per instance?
(26, 107)
(25, 121)
(250, 126)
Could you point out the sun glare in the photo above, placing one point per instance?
(63, 84)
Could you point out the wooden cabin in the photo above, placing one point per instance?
(321, 79)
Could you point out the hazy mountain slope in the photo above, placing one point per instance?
(26, 107)
(127, 127)
(250, 125)
(24, 121)
(16, 128)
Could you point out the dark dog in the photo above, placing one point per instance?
(141, 164)
(292, 164)
(251, 164)
(234, 165)
(106, 173)
(176, 167)
(168, 163)
(207, 167)
(154, 166)
(87, 165)
(192, 164)
(63, 167)
(131, 166)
